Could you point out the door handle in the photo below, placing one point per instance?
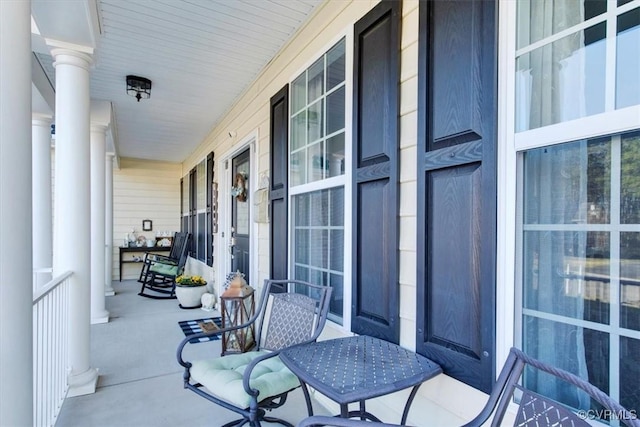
(232, 244)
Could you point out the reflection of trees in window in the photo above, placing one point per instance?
(599, 182)
(630, 179)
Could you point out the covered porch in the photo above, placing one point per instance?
(140, 382)
(387, 149)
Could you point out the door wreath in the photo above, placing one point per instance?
(239, 190)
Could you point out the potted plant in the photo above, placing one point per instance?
(189, 290)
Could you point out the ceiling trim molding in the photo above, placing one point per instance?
(42, 83)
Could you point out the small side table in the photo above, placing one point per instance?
(355, 369)
(140, 249)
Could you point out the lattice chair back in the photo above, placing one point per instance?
(539, 411)
(290, 317)
(291, 321)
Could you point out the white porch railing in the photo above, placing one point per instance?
(50, 349)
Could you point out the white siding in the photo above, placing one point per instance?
(143, 190)
(443, 401)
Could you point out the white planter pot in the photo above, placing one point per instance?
(189, 296)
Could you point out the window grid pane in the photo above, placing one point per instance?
(317, 115)
(563, 80)
(185, 195)
(561, 60)
(580, 271)
(201, 173)
(319, 244)
(533, 14)
(628, 59)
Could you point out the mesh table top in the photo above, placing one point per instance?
(358, 368)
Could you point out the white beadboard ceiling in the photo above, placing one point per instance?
(200, 56)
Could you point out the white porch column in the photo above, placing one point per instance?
(16, 295)
(98, 146)
(72, 207)
(108, 222)
(42, 213)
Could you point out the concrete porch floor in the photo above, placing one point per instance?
(140, 381)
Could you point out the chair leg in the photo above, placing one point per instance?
(307, 398)
(236, 423)
(278, 420)
(142, 288)
(161, 290)
(143, 272)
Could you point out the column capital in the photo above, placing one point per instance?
(43, 120)
(97, 127)
(110, 155)
(64, 56)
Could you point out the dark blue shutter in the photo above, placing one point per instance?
(457, 93)
(193, 212)
(184, 223)
(210, 209)
(375, 297)
(278, 191)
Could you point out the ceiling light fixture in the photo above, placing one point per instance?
(139, 87)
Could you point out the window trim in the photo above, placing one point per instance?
(607, 123)
(332, 182)
(506, 191)
(511, 147)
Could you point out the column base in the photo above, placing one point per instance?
(84, 383)
(109, 292)
(102, 317)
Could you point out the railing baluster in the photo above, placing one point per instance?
(50, 343)
(50, 349)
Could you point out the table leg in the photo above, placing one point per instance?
(360, 413)
(363, 411)
(405, 413)
(344, 410)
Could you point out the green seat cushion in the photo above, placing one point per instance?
(164, 269)
(223, 377)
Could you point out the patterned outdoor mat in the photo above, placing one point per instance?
(190, 327)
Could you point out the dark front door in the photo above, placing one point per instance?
(240, 215)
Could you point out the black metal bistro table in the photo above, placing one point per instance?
(358, 368)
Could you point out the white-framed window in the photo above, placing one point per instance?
(317, 174)
(572, 140)
(185, 191)
(580, 273)
(201, 186)
(575, 59)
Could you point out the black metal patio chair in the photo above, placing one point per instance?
(159, 272)
(290, 312)
(323, 420)
(532, 409)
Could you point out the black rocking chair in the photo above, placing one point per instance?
(290, 312)
(159, 272)
(532, 410)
